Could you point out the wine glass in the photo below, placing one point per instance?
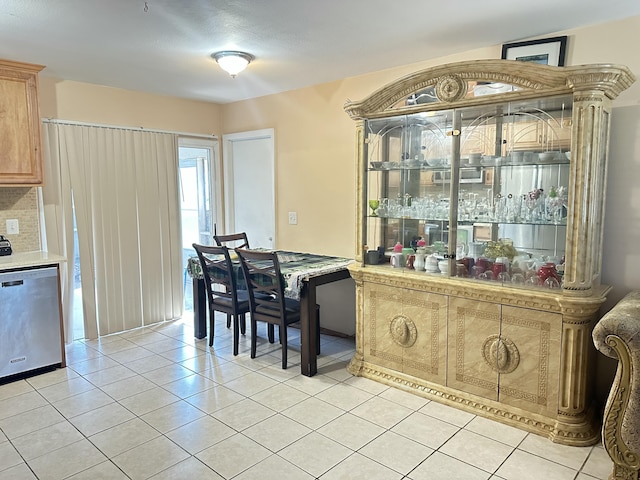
(504, 277)
(374, 204)
(551, 282)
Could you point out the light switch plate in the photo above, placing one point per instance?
(13, 227)
(293, 218)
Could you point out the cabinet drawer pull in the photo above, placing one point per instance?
(15, 283)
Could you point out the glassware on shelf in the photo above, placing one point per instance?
(504, 277)
(476, 271)
(431, 263)
(532, 281)
(374, 205)
(551, 283)
(461, 270)
(443, 266)
(476, 249)
(534, 201)
(555, 203)
(498, 268)
(383, 208)
(487, 275)
(547, 271)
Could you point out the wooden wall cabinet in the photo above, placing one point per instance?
(515, 351)
(20, 155)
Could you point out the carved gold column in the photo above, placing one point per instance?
(586, 190)
(361, 203)
(357, 362)
(574, 424)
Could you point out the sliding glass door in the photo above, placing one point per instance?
(199, 174)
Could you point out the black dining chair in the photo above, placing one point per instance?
(223, 295)
(267, 302)
(232, 240)
(239, 240)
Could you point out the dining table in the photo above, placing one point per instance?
(302, 273)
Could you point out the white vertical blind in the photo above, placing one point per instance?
(125, 191)
(57, 208)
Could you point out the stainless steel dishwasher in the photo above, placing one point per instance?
(30, 333)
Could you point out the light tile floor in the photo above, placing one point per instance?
(156, 403)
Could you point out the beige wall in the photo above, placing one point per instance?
(84, 102)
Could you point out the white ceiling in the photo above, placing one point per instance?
(165, 48)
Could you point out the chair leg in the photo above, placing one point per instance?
(228, 320)
(211, 326)
(270, 333)
(254, 338)
(243, 324)
(236, 336)
(283, 341)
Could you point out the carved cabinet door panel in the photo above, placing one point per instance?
(422, 330)
(406, 331)
(381, 305)
(530, 358)
(474, 329)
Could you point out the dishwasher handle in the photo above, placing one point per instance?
(14, 283)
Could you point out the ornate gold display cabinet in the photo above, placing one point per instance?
(481, 190)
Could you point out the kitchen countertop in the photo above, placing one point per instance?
(29, 259)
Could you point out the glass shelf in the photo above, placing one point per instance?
(562, 223)
(440, 168)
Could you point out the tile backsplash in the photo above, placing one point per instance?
(21, 203)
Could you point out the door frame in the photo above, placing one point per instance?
(227, 162)
(216, 171)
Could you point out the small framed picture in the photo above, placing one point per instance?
(547, 51)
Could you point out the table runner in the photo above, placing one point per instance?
(294, 266)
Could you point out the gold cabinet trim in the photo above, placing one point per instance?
(582, 431)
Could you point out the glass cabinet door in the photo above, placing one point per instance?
(477, 193)
(408, 186)
(511, 227)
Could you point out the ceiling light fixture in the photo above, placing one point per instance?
(232, 62)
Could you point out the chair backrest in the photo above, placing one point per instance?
(265, 284)
(218, 269)
(239, 240)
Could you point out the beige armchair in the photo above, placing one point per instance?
(617, 335)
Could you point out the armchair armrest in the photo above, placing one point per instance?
(617, 335)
